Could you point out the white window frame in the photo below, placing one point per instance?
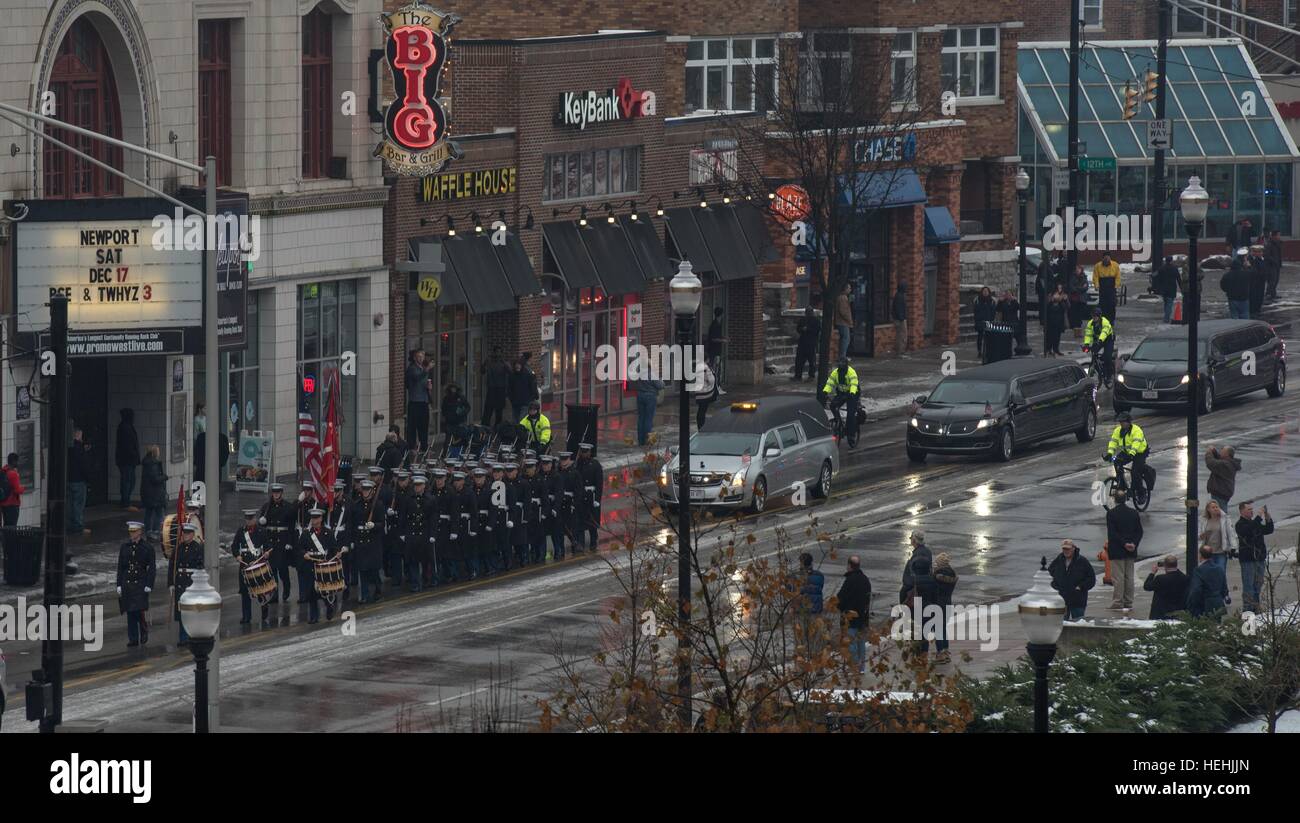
(732, 68)
(810, 55)
(981, 52)
(1290, 10)
(907, 58)
(1092, 4)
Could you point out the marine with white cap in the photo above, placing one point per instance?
(552, 500)
(417, 529)
(137, 572)
(485, 528)
(462, 511)
(533, 491)
(248, 547)
(277, 516)
(592, 477)
(187, 559)
(367, 540)
(316, 545)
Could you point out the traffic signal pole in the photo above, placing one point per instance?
(1072, 195)
(1158, 193)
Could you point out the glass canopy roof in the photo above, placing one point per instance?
(1212, 87)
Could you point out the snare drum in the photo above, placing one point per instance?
(259, 579)
(329, 579)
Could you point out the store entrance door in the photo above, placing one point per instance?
(587, 360)
(88, 401)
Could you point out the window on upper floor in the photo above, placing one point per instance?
(903, 67)
(969, 67)
(731, 74)
(1092, 14)
(85, 95)
(317, 93)
(214, 96)
(583, 175)
(825, 70)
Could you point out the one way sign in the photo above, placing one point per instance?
(1159, 134)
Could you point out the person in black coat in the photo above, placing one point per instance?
(1207, 593)
(854, 601)
(78, 478)
(367, 519)
(919, 549)
(553, 503)
(809, 333)
(533, 489)
(1235, 283)
(591, 476)
(714, 339)
(201, 454)
(455, 412)
(1123, 536)
(1055, 316)
(1170, 588)
(1165, 283)
(1044, 284)
(1072, 576)
(277, 515)
(1273, 256)
(924, 594)
(127, 457)
(153, 490)
(522, 388)
(462, 511)
(315, 545)
(1258, 280)
(187, 558)
(137, 572)
(249, 546)
(985, 310)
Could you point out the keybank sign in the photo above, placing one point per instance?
(581, 109)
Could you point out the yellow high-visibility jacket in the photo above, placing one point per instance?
(539, 429)
(1134, 443)
(1107, 330)
(1099, 271)
(834, 384)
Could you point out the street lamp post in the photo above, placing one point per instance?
(1194, 203)
(684, 292)
(1022, 197)
(200, 607)
(1042, 613)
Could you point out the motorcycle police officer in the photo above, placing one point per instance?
(277, 516)
(248, 546)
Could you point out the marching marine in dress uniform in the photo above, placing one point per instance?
(552, 501)
(463, 511)
(314, 546)
(368, 540)
(417, 529)
(517, 497)
(136, 573)
(571, 500)
(248, 547)
(503, 504)
(277, 516)
(533, 491)
(302, 521)
(486, 518)
(439, 527)
(592, 477)
(187, 558)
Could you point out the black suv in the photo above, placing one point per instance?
(991, 409)
(1155, 375)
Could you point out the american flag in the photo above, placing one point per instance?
(313, 459)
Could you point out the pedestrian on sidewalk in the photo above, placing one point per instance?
(200, 419)
(985, 310)
(923, 594)
(844, 321)
(1078, 291)
(523, 387)
(1207, 592)
(455, 412)
(1253, 552)
(11, 491)
(809, 331)
(496, 388)
(917, 541)
(1123, 535)
(1273, 255)
(1169, 586)
(1072, 576)
(1106, 277)
(854, 601)
(1165, 284)
(418, 386)
(1235, 283)
(945, 583)
(78, 472)
(647, 400)
(153, 490)
(709, 391)
(1055, 313)
(1044, 284)
(1239, 235)
(1258, 280)
(127, 457)
(814, 584)
(1223, 465)
(900, 318)
(1218, 535)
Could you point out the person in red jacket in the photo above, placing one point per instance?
(11, 504)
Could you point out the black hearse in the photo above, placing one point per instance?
(1155, 375)
(990, 410)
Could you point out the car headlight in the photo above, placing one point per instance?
(1187, 378)
(663, 476)
(1120, 378)
(738, 479)
(984, 423)
(916, 423)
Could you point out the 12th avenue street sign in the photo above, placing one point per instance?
(1096, 164)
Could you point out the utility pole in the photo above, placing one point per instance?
(1072, 196)
(55, 547)
(1158, 193)
(212, 440)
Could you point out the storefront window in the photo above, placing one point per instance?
(453, 344)
(1218, 182)
(241, 408)
(1101, 192)
(1132, 190)
(1277, 197)
(1250, 194)
(584, 175)
(326, 315)
(584, 320)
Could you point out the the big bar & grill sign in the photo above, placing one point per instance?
(415, 125)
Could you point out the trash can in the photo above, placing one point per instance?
(23, 547)
(582, 423)
(999, 342)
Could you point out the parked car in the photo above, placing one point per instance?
(991, 410)
(754, 451)
(1155, 375)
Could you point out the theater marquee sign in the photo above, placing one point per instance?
(415, 124)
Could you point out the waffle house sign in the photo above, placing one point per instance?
(415, 123)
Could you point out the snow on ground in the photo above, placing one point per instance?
(1289, 723)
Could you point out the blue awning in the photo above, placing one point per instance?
(882, 189)
(939, 227)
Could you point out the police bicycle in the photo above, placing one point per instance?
(1124, 483)
(838, 406)
(1101, 368)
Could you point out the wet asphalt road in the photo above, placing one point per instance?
(438, 659)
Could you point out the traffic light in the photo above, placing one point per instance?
(1153, 80)
(1132, 99)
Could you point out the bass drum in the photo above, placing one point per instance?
(171, 534)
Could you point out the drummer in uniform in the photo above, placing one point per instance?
(517, 497)
(570, 500)
(302, 520)
(417, 528)
(187, 559)
(534, 492)
(277, 517)
(368, 540)
(137, 570)
(248, 547)
(486, 517)
(592, 476)
(336, 522)
(314, 546)
(552, 500)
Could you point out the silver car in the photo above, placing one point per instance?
(756, 450)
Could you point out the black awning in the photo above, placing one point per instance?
(617, 267)
(727, 243)
(754, 225)
(570, 254)
(481, 275)
(688, 240)
(425, 249)
(648, 248)
(518, 268)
